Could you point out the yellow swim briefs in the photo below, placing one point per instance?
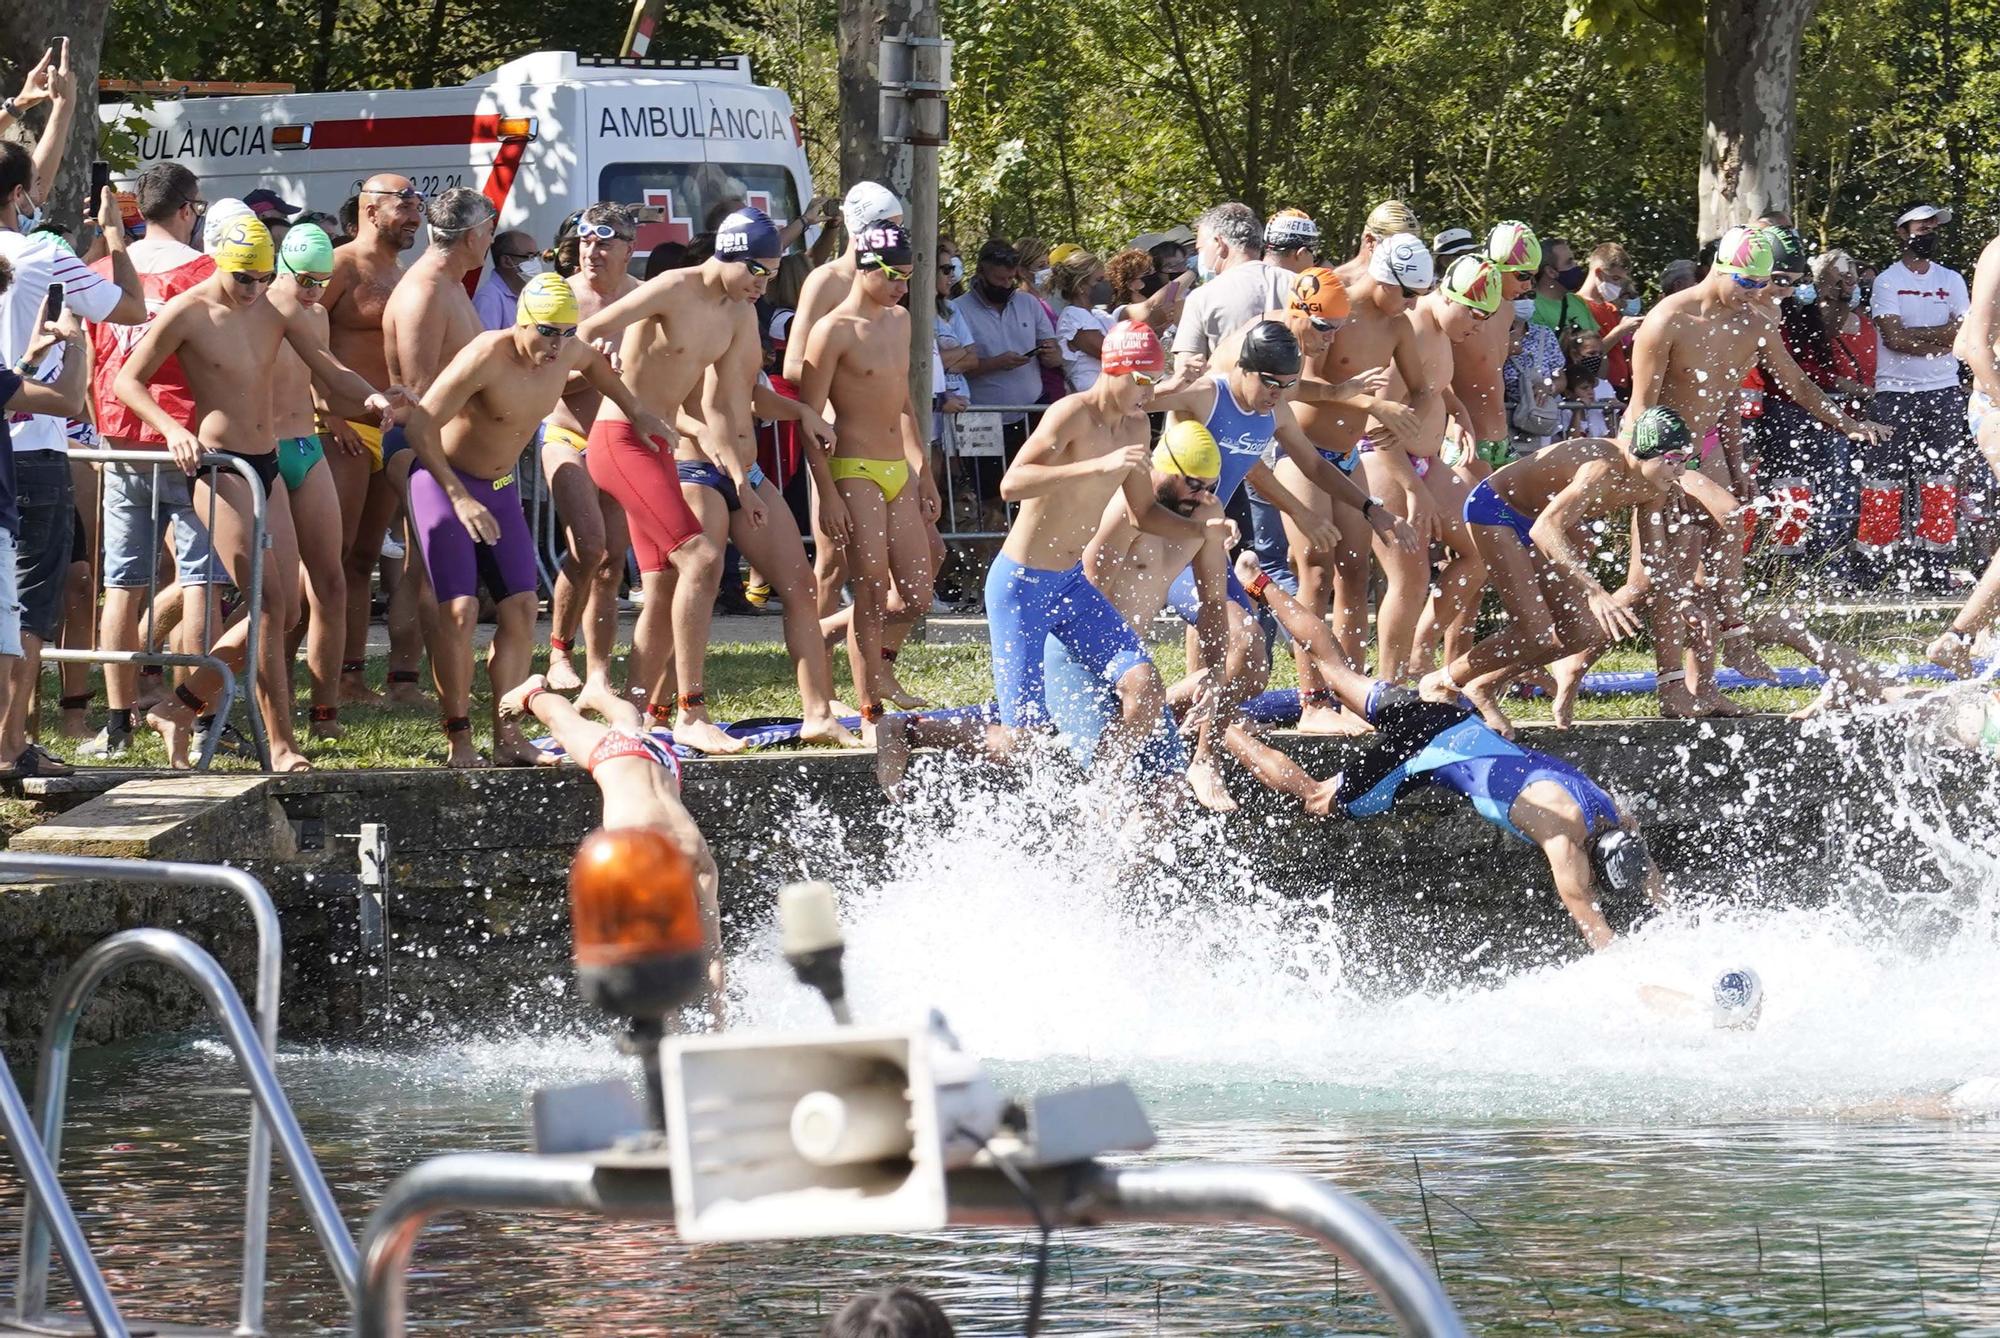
(891, 476)
(556, 434)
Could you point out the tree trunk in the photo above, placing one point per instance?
(27, 29)
(863, 155)
(1751, 51)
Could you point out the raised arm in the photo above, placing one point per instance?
(1778, 363)
(595, 369)
(340, 387)
(60, 88)
(64, 397)
(609, 322)
(1550, 534)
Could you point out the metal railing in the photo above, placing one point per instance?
(31, 1279)
(260, 542)
(239, 1032)
(1083, 1194)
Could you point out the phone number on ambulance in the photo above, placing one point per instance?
(429, 185)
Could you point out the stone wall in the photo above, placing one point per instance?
(477, 923)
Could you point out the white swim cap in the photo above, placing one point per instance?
(1404, 260)
(1739, 999)
(221, 214)
(868, 204)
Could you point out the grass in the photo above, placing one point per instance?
(752, 679)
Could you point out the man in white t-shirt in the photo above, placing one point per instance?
(1917, 306)
(41, 448)
(1237, 286)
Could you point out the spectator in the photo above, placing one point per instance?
(1086, 318)
(893, 1312)
(328, 224)
(955, 350)
(1532, 379)
(1169, 261)
(1238, 288)
(350, 217)
(1584, 386)
(1918, 304)
(1291, 240)
(135, 505)
(1834, 343)
(1034, 273)
(1614, 304)
(666, 256)
(1678, 275)
(44, 493)
(515, 261)
(1015, 340)
(1127, 273)
(273, 212)
(1452, 243)
(1052, 291)
(1557, 307)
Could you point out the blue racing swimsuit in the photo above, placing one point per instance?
(1024, 607)
(1484, 506)
(1243, 438)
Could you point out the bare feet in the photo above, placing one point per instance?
(1952, 652)
(461, 755)
(354, 691)
(1532, 682)
(900, 696)
(515, 704)
(1209, 790)
(76, 725)
(562, 674)
(1739, 652)
(512, 749)
(1713, 703)
(1331, 720)
(598, 699)
(325, 729)
(1485, 701)
(828, 730)
(892, 753)
(1568, 674)
(1437, 686)
(175, 722)
(705, 736)
(406, 694)
(839, 709)
(1325, 797)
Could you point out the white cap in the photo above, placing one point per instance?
(1739, 999)
(1402, 259)
(220, 215)
(1452, 243)
(868, 204)
(1923, 212)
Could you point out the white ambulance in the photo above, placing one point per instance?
(540, 136)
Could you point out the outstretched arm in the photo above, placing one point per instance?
(344, 390)
(1550, 534)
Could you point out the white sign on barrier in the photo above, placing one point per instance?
(978, 434)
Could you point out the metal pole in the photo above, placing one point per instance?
(31, 1283)
(47, 1205)
(927, 132)
(159, 945)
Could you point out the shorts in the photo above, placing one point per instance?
(459, 565)
(10, 606)
(1976, 409)
(1484, 506)
(264, 466)
(705, 475)
(1082, 705)
(297, 457)
(47, 499)
(131, 530)
(644, 482)
(1025, 606)
(1185, 600)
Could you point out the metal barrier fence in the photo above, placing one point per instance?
(157, 462)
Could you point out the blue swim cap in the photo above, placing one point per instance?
(748, 234)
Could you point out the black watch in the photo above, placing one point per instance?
(11, 107)
(1370, 505)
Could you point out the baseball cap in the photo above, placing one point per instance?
(998, 252)
(1402, 259)
(867, 204)
(270, 202)
(1452, 243)
(1920, 213)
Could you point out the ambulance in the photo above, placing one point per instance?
(540, 136)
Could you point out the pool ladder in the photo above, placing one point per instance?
(1081, 1194)
(38, 1153)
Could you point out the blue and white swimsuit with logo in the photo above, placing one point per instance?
(1025, 607)
(1244, 438)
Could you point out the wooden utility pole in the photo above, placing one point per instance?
(916, 75)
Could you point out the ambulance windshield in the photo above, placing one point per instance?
(682, 200)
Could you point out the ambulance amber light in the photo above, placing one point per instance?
(292, 137)
(519, 127)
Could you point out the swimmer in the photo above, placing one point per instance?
(1736, 1002)
(1244, 410)
(874, 489)
(1478, 361)
(365, 274)
(1385, 220)
(226, 334)
(1529, 520)
(1291, 241)
(638, 778)
(594, 527)
(1690, 356)
(428, 320)
(305, 264)
(689, 352)
(465, 504)
(1978, 339)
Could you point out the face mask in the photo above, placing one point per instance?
(1042, 277)
(1524, 308)
(1854, 296)
(1806, 293)
(996, 292)
(1100, 293)
(1924, 247)
(1203, 270)
(532, 266)
(1610, 290)
(1586, 368)
(1571, 279)
(29, 217)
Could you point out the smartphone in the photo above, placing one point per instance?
(100, 177)
(52, 308)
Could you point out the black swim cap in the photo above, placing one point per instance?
(1271, 348)
(1659, 430)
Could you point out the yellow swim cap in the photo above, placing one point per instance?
(1187, 449)
(547, 300)
(246, 248)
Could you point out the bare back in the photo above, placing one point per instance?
(1530, 484)
(426, 321)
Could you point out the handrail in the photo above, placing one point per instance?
(1086, 1194)
(31, 1279)
(47, 1200)
(260, 540)
(222, 710)
(159, 945)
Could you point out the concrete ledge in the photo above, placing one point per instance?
(187, 816)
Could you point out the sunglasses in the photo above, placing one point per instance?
(554, 331)
(602, 232)
(1207, 486)
(1276, 383)
(1323, 325)
(307, 281)
(249, 280)
(1479, 315)
(1754, 285)
(1676, 459)
(1409, 294)
(406, 193)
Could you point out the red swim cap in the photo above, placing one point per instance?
(1131, 346)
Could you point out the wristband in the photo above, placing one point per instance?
(1370, 505)
(11, 108)
(1257, 587)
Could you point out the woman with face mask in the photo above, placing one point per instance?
(1080, 330)
(1584, 386)
(1034, 275)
